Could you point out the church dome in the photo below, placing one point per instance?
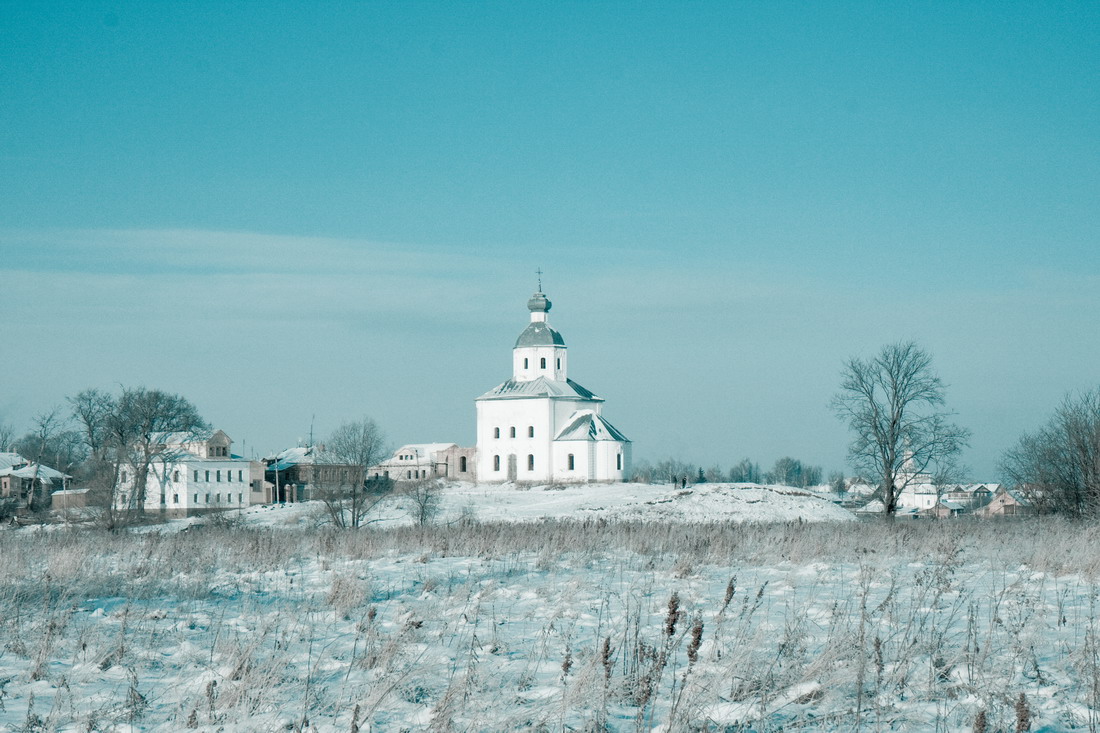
(539, 334)
(538, 303)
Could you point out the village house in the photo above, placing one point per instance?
(194, 472)
(417, 461)
(24, 483)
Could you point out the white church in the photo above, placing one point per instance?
(542, 426)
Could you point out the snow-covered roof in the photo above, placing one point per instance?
(7, 460)
(541, 387)
(587, 425)
(291, 457)
(30, 471)
(424, 450)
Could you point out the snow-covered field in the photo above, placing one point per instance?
(273, 623)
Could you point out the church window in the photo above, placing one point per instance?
(559, 363)
(496, 463)
(619, 461)
(496, 432)
(572, 464)
(530, 431)
(542, 363)
(513, 431)
(462, 464)
(525, 363)
(530, 463)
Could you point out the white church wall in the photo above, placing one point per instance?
(527, 363)
(521, 416)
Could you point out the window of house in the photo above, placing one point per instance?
(530, 463)
(542, 365)
(208, 498)
(219, 476)
(196, 475)
(513, 431)
(175, 477)
(217, 498)
(530, 431)
(207, 476)
(240, 475)
(240, 498)
(408, 474)
(124, 476)
(496, 463)
(229, 476)
(209, 452)
(571, 462)
(496, 432)
(175, 498)
(196, 500)
(462, 464)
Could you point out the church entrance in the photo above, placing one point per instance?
(512, 467)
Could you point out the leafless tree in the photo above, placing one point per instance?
(674, 471)
(423, 499)
(48, 441)
(1058, 466)
(127, 432)
(715, 474)
(746, 472)
(341, 472)
(893, 404)
(7, 436)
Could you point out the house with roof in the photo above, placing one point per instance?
(28, 483)
(1008, 502)
(417, 461)
(194, 472)
(540, 425)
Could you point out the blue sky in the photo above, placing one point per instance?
(297, 213)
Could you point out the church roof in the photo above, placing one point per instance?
(541, 387)
(587, 425)
(539, 333)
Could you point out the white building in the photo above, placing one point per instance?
(195, 472)
(542, 426)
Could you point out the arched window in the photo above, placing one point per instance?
(530, 463)
(530, 431)
(496, 432)
(513, 431)
(559, 363)
(496, 463)
(525, 363)
(619, 461)
(572, 464)
(543, 362)
(462, 464)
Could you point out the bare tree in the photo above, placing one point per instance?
(746, 472)
(893, 405)
(7, 437)
(128, 432)
(341, 472)
(48, 440)
(1058, 466)
(423, 498)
